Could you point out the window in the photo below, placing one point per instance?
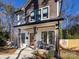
(32, 16)
(45, 13)
(23, 37)
(44, 37)
(18, 17)
(38, 14)
(19, 23)
(48, 37)
(51, 37)
(27, 19)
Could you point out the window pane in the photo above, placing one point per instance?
(44, 37)
(45, 13)
(38, 14)
(32, 16)
(51, 37)
(23, 37)
(45, 10)
(27, 19)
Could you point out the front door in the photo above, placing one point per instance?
(24, 37)
(32, 41)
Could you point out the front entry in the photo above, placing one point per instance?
(32, 41)
(25, 37)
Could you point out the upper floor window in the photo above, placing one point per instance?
(19, 23)
(32, 16)
(38, 14)
(45, 12)
(18, 17)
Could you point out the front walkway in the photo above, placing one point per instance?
(19, 54)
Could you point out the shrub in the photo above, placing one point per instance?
(51, 54)
(2, 43)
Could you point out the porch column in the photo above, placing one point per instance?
(57, 48)
(35, 32)
(19, 38)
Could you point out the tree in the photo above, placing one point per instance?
(9, 13)
(0, 26)
(4, 36)
(10, 10)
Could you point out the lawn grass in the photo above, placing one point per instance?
(67, 55)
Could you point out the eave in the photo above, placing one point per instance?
(40, 22)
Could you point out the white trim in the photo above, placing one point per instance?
(18, 17)
(55, 35)
(30, 17)
(58, 8)
(48, 13)
(27, 42)
(42, 14)
(48, 35)
(19, 23)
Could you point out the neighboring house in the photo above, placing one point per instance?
(40, 23)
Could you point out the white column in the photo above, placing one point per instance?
(58, 8)
(18, 17)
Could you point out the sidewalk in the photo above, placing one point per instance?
(21, 53)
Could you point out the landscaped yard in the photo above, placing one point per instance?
(64, 54)
(6, 50)
(69, 55)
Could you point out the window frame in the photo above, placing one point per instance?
(30, 20)
(51, 37)
(48, 13)
(48, 37)
(41, 11)
(38, 12)
(44, 39)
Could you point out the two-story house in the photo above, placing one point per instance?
(40, 23)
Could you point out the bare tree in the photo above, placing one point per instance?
(9, 13)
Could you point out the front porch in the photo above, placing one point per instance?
(38, 35)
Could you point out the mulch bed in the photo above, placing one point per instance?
(4, 50)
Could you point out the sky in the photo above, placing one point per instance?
(16, 3)
(70, 9)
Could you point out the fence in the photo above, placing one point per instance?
(70, 43)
